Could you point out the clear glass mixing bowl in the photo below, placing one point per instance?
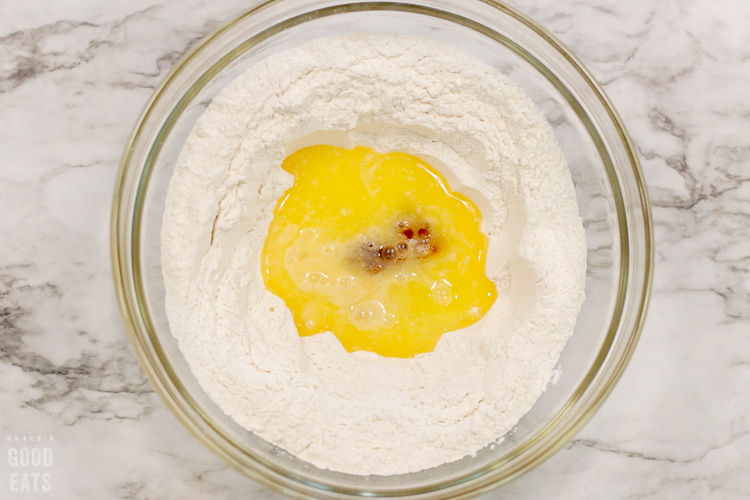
(609, 185)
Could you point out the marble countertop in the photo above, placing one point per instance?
(74, 75)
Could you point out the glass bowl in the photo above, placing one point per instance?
(609, 186)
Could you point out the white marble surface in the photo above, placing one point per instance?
(74, 75)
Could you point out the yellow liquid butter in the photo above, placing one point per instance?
(376, 249)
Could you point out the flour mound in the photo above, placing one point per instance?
(361, 413)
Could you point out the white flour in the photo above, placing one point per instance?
(361, 413)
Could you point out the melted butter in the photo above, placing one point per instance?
(376, 249)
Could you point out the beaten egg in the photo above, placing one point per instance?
(377, 249)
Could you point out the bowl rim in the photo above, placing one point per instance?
(124, 250)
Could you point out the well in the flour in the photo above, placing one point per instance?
(376, 249)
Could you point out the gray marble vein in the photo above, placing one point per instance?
(73, 79)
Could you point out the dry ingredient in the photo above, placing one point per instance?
(359, 412)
